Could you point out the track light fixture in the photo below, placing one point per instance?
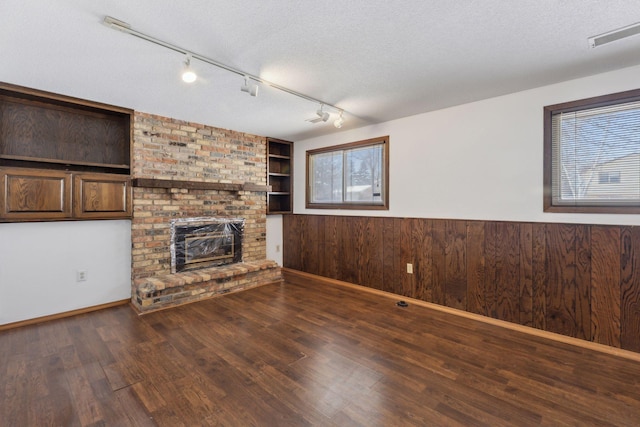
(251, 89)
(339, 121)
(188, 76)
(122, 26)
(323, 116)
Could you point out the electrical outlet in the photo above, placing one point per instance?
(81, 275)
(277, 248)
(410, 268)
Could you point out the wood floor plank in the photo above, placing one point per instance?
(298, 354)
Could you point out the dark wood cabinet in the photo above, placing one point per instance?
(101, 195)
(46, 195)
(32, 194)
(280, 176)
(62, 157)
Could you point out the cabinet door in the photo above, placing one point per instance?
(34, 194)
(100, 195)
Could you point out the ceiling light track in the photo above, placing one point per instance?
(116, 24)
(611, 36)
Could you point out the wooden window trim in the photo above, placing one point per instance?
(568, 107)
(350, 205)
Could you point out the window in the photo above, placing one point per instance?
(609, 177)
(349, 176)
(592, 155)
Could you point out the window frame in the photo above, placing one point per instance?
(568, 107)
(350, 146)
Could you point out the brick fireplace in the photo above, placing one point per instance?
(170, 150)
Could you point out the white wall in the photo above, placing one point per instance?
(479, 161)
(274, 238)
(38, 264)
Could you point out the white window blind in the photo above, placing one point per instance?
(596, 156)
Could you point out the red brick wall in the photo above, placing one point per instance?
(165, 148)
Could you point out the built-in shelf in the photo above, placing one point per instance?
(279, 176)
(50, 131)
(62, 158)
(63, 162)
(198, 185)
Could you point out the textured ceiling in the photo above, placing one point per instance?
(378, 59)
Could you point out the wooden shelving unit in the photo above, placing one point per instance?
(279, 176)
(62, 158)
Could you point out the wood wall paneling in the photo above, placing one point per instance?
(577, 280)
(422, 243)
(605, 285)
(438, 254)
(630, 288)
(291, 242)
(456, 264)
(389, 272)
(525, 299)
(371, 253)
(476, 275)
(347, 248)
(329, 246)
(489, 291)
(583, 282)
(360, 247)
(539, 268)
(405, 256)
(507, 269)
(561, 279)
(309, 258)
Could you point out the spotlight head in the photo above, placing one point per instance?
(250, 89)
(339, 121)
(188, 76)
(324, 116)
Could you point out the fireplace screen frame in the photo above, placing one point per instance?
(220, 238)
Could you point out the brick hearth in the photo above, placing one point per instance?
(170, 149)
(156, 292)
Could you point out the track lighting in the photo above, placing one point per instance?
(188, 76)
(339, 121)
(323, 116)
(620, 33)
(251, 89)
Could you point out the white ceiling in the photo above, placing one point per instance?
(378, 59)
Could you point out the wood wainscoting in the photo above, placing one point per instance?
(577, 280)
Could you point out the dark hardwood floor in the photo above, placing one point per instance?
(299, 355)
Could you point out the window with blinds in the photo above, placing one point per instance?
(349, 176)
(592, 155)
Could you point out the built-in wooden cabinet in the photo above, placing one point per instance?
(32, 194)
(100, 195)
(62, 158)
(44, 195)
(279, 176)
